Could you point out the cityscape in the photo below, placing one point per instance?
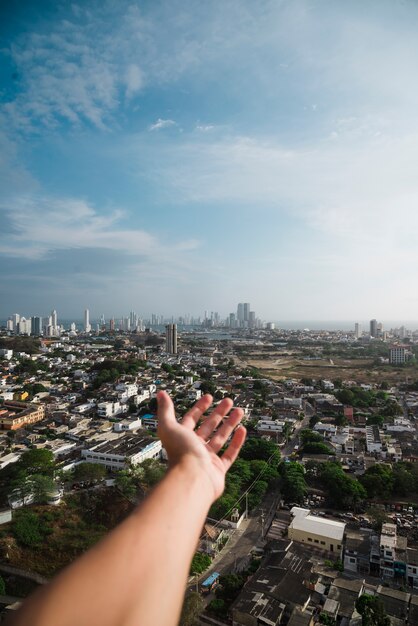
(213, 203)
(328, 476)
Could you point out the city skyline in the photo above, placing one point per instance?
(196, 154)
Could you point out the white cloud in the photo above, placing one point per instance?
(41, 225)
(134, 80)
(205, 128)
(160, 123)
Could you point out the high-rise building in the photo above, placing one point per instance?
(240, 312)
(171, 338)
(397, 355)
(112, 324)
(9, 325)
(87, 327)
(251, 319)
(36, 326)
(357, 330)
(373, 328)
(54, 318)
(246, 311)
(15, 320)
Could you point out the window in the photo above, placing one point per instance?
(352, 560)
(309, 539)
(316, 541)
(322, 543)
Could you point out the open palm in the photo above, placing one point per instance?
(183, 441)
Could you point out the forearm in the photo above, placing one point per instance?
(137, 574)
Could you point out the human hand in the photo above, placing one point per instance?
(199, 447)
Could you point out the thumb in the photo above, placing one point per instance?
(165, 411)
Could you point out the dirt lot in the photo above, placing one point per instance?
(361, 370)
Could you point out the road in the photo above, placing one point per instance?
(236, 554)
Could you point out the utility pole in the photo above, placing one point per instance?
(246, 505)
(262, 523)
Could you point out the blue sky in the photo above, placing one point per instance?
(176, 156)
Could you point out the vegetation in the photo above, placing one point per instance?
(293, 485)
(108, 371)
(249, 470)
(372, 611)
(89, 472)
(383, 482)
(29, 529)
(192, 608)
(200, 563)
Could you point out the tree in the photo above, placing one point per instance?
(26, 529)
(378, 481)
(192, 608)
(126, 484)
(200, 563)
(372, 611)
(255, 448)
(90, 472)
(41, 487)
(294, 486)
(344, 492)
(377, 518)
(229, 587)
(403, 480)
(37, 461)
(207, 386)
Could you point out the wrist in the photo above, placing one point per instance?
(193, 473)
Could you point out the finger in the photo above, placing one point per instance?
(193, 416)
(225, 430)
(234, 447)
(210, 422)
(217, 415)
(165, 411)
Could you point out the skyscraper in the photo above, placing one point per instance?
(373, 328)
(240, 313)
(54, 318)
(171, 338)
(357, 330)
(36, 326)
(87, 327)
(246, 311)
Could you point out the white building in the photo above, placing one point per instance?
(110, 409)
(320, 532)
(128, 389)
(87, 326)
(124, 451)
(127, 425)
(397, 355)
(6, 354)
(373, 439)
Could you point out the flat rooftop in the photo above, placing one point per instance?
(123, 446)
(308, 523)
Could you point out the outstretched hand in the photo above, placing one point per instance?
(185, 443)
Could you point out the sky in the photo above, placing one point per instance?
(174, 156)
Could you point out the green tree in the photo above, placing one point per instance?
(26, 529)
(41, 486)
(126, 484)
(192, 608)
(229, 587)
(263, 449)
(218, 608)
(372, 611)
(37, 461)
(90, 472)
(378, 481)
(403, 480)
(344, 492)
(294, 486)
(200, 563)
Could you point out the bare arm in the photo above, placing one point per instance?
(137, 574)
